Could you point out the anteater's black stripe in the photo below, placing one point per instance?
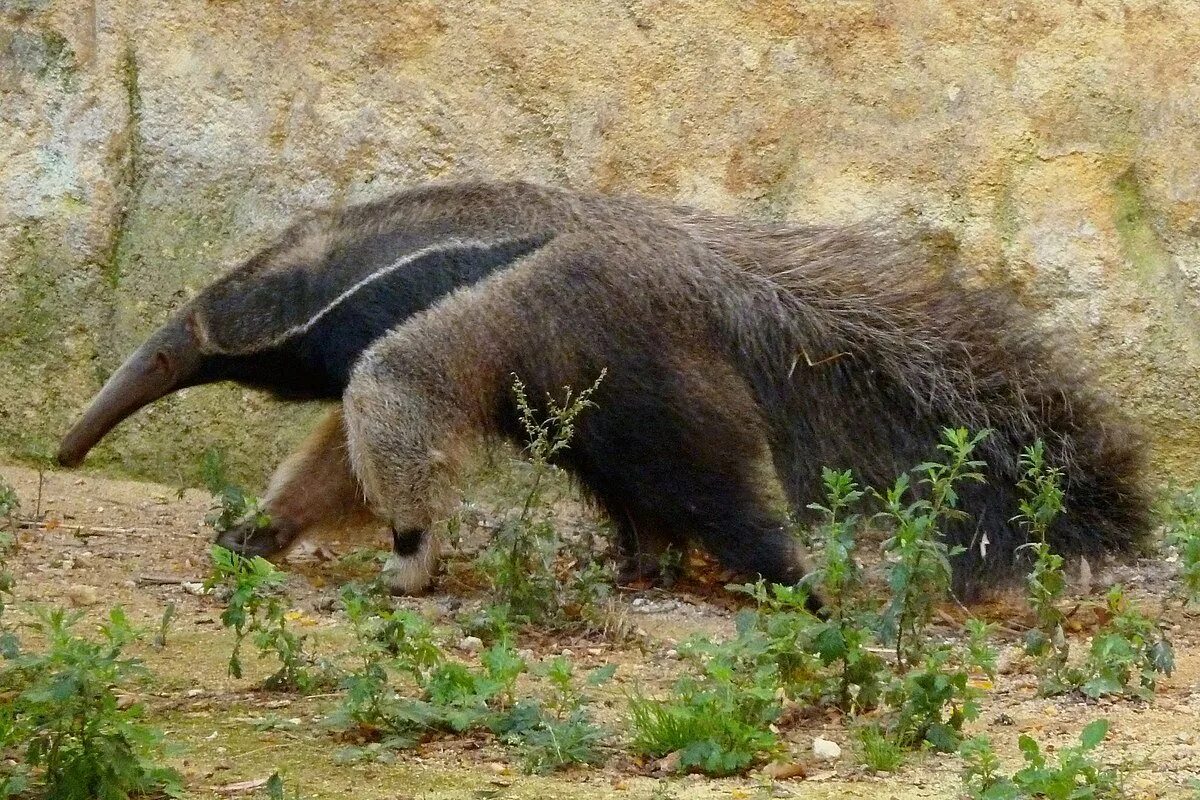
(317, 361)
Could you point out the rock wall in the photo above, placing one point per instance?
(145, 145)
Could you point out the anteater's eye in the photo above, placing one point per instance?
(162, 361)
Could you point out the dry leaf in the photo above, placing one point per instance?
(242, 786)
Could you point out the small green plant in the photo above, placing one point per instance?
(257, 608)
(232, 504)
(8, 637)
(879, 752)
(10, 506)
(842, 640)
(164, 625)
(1042, 502)
(1127, 655)
(63, 717)
(40, 454)
(918, 570)
(1182, 518)
(670, 566)
(818, 661)
(277, 791)
(558, 732)
(933, 700)
(523, 563)
(1074, 777)
(719, 718)
(380, 715)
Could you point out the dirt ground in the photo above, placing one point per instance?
(105, 542)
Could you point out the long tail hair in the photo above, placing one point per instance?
(861, 352)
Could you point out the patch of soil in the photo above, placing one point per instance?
(102, 542)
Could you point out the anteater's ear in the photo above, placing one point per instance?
(165, 362)
(196, 328)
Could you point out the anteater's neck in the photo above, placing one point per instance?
(312, 359)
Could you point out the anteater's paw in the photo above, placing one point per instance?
(406, 575)
(249, 539)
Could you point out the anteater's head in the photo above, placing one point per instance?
(294, 318)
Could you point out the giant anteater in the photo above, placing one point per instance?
(729, 346)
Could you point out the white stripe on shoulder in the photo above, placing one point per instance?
(400, 263)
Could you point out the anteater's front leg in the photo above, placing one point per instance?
(314, 488)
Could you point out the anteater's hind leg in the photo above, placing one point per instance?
(314, 488)
(643, 549)
(688, 459)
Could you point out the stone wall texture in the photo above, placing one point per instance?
(146, 145)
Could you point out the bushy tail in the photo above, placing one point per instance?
(861, 353)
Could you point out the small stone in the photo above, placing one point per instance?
(566, 653)
(192, 587)
(471, 644)
(672, 654)
(825, 749)
(1009, 660)
(82, 595)
(670, 763)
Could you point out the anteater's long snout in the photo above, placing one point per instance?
(165, 362)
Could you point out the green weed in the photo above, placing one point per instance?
(1182, 519)
(918, 569)
(879, 752)
(450, 696)
(843, 639)
(1076, 775)
(932, 701)
(1127, 654)
(10, 506)
(558, 732)
(718, 719)
(231, 503)
(64, 719)
(256, 608)
(1041, 504)
(525, 560)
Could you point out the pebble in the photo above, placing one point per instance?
(825, 749)
(191, 587)
(83, 595)
(471, 644)
(1009, 660)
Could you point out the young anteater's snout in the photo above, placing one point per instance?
(729, 345)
